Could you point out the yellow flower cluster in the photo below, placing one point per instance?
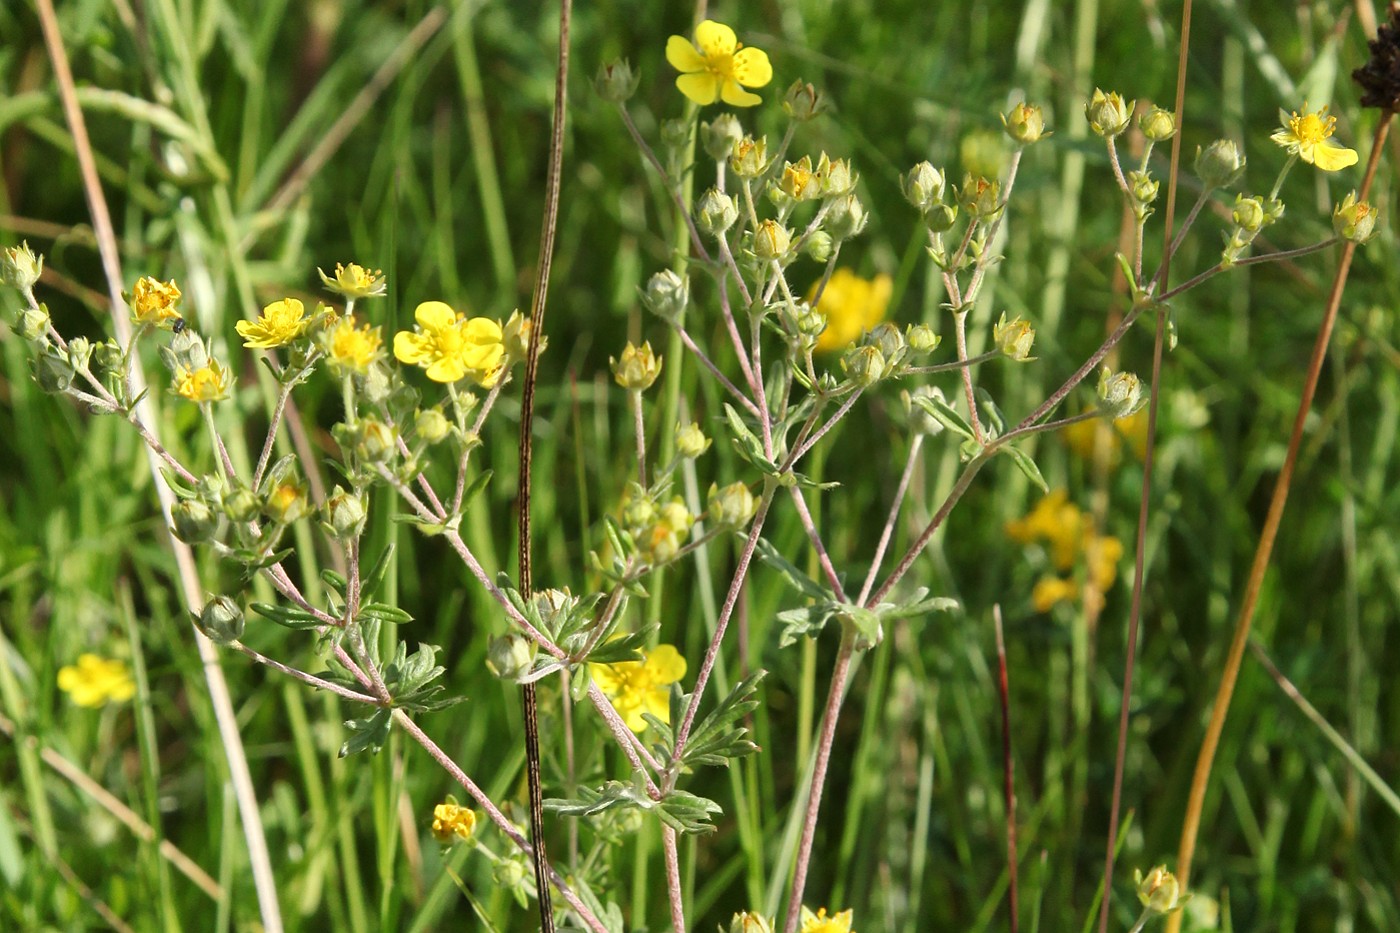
(819, 922)
(452, 822)
(1071, 540)
(851, 305)
(94, 681)
(637, 687)
(451, 347)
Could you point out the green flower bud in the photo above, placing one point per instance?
(345, 515)
(803, 102)
(79, 352)
(286, 503)
(818, 245)
(1119, 394)
(1143, 187)
(554, 606)
(1025, 124)
(715, 213)
(750, 923)
(750, 157)
(1108, 114)
(638, 368)
(1159, 891)
(836, 176)
(733, 506)
(187, 351)
(847, 217)
(430, 425)
(509, 874)
(864, 366)
(799, 182)
(241, 505)
(20, 267)
(691, 442)
(941, 217)
(675, 134)
(616, 82)
(808, 321)
(1354, 220)
(107, 356)
(34, 323)
(638, 512)
(52, 372)
(771, 240)
(923, 186)
(887, 337)
(1014, 338)
(377, 442)
(980, 197)
(1157, 124)
(1248, 214)
(666, 295)
(516, 337)
(920, 421)
(921, 338)
(221, 620)
(192, 521)
(1220, 164)
(720, 136)
(511, 657)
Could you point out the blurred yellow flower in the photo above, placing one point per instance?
(1309, 137)
(209, 383)
(1072, 540)
(279, 324)
(1082, 437)
(716, 64)
(350, 348)
(451, 822)
(637, 687)
(94, 681)
(819, 922)
(153, 301)
(851, 305)
(1055, 520)
(451, 347)
(1051, 590)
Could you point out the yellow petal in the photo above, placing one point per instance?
(481, 330)
(1332, 158)
(701, 87)
(410, 347)
(658, 703)
(752, 68)
(434, 315)
(736, 96)
(447, 369)
(683, 56)
(665, 665)
(715, 39)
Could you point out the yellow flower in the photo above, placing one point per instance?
(209, 383)
(1050, 591)
(637, 687)
(1071, 539)
(355, 281)
(1083, 437)
(851, 305)
(1308, 136)
(819, 922)
(94, 681)
(1102, 554)
(451, 347)
(451, 820)
(153, 301)
(280, 323)
(716, 64)
(1056, 521)
(350, 348)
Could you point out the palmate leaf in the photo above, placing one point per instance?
(368, 734)
(718, 738)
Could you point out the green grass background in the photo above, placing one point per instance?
(442, 186)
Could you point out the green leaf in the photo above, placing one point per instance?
(718, 738)
(383, 612)
(367, 734)
(334, 581)
(1027, 466)
(748, 445)
(790, 574)
(474, 488)
(945, 415)
(296, 619)
(808, 620)
(375, 577)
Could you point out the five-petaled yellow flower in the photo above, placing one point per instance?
(1309, 137)
(716, 64)
(209, 383)
(94, 681)
(153, 301)
(355, 281)
(851, 305)
(350, 348)
(819, 922)
(452, 822)
(451, 347)
(637, 687)
(279, 324)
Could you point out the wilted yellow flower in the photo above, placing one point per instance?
(351, 348)
(819, 922)
(451, 347)
(355, 281)
(209, 383)
(716, 64)
(94, 681)
(1309, 137)
(279, 324)
(153, 301)
(851, 305)
(451, 821)
(637, 687)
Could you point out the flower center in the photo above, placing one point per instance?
(1312, 128)
(720, 63)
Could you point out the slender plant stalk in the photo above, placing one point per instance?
(1008, 788)
(1200, 780)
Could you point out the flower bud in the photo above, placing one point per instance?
(638, 512)
(818, 245)
(286, 503)
(715, 213)
(511, 656)
(1248, 214)
(221, 620)
(515, 335)
(193, 521)
(107, 355)
(750, 157)
(377, 442)
(1220, 164)
(923, 186)
(802, 102)
(1159, 891)
(241, 505)
(921, 338)
(52, 372)
(20, 267)
(616, 82)
(675, 134)
(691, 442)
(887, 337)
(847, 217)
(1157, 124)
(509, 874)
(980, 197)
(750, 923)
(732, 506)
(666, 295)
(1354, 220)
(941, 218)
(1119, 394)
(799, 182)
(1108, 114)
(554, 606)
(33, 323)
(1025, 123)
(1014, 338)
(920, 421)
(637, 369)
(836, 176)
(1143, 187)
(345, 515)
(865, 366)
(79, 352)
(430, 425)
(187, 351)
(771, 240)
(720, 136)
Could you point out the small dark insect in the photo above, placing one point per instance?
(177, 325)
